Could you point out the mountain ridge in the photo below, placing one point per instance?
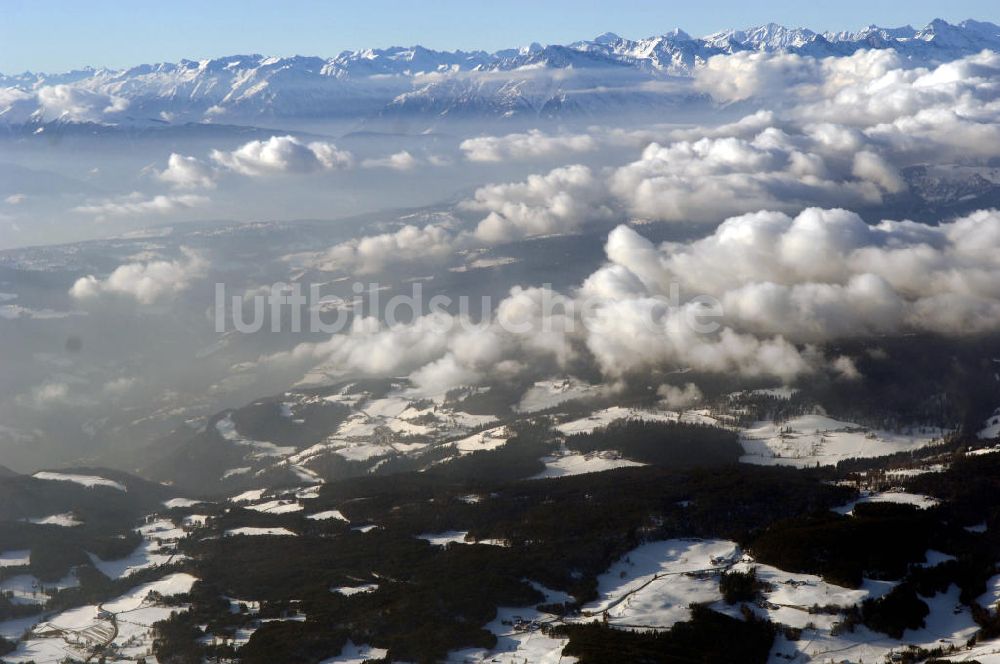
(769, 37)
(419, 81)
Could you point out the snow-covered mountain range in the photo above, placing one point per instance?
(581, 77)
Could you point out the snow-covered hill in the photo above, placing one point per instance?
(532, 81)
(359, 428)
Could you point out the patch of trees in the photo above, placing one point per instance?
(430, 600)
(923, 379)
(708, 638)
(737, 586)
(263, 420)
(969, 572)
(901, 609)
(56, 550)
(102, 509)
(668, 444)
(193, 462)
(517, 459)
(562, 533)
(10, 610)
(910, 458)
(970, 486)
(292, 642)
(95, 587)
(496, 401)
(880, 541)
(175, 640)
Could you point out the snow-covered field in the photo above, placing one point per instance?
(605, 416)
(547, 394)
(74, 633)
(252, 531)
(564, 465)
(157, 548)
(26, 589)
(66, 520)
(276, 506)
(328, 514)
(914, 472)
(85, 480)
(987, 653)
(791, 595)
(949, 623)
(356, 654)
(180, 502)
(456, 537)
(519, 637)
(991, 597)
(648, 587)
(396, 424)
(808, 440)
(654, 585)
(347, 591)
(901, 497)
(489, 439)
(992, 426)
(227, 429)
(248, 496)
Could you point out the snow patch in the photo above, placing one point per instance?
(808, 440)
(356, 654)
(899, 497)
(347, 591)
(180, 502)
(66, 520)
(90, 481)
(251, 531)
(276, 507)
(577, 464)
(328, 514)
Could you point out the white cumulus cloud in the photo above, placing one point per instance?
(283, 155)
(146, 283)
(187, 173)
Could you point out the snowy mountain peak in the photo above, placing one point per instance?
(606, 38)
(873, 35)
(770, 37)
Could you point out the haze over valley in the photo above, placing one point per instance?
(654, 349)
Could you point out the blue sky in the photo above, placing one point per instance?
(56, 35)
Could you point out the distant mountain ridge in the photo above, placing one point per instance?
(420, 81)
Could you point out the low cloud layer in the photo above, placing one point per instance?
(557, 202)
(708, 179)
(826, 274)
(398, 161)
(68, 103)
(138, 204)
(145, 283)
(433, 243)
(560, 201)
(534, 144)
(777, 286)
(951, 111)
